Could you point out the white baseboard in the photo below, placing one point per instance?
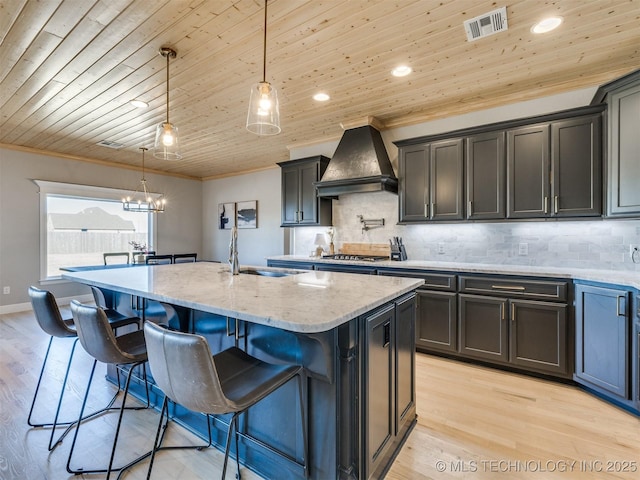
(25, 307)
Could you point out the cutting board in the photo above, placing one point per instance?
(379, 249)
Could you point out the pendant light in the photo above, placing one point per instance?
(264, 111)
(167, 146)
(142, 200)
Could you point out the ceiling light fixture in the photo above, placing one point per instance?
(167, 146)
(401, 71)
(321, 97)
(547, 25)
(264, 111)
(141, 200)
(139, 103)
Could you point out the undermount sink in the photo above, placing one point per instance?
(268, 273)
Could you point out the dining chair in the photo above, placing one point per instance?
(159, 259)
(229, 382)
(98, 339)
(113, 258)
(184, 257)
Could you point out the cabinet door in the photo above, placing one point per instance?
(483, 327)
(414, 183)
(437, 321)
(446, 191)
(538, 336)
(405, 360)
(379, 366)
(308, 199)
(528, 172)
(624, 145)
(290, 195)
(602, 339)
(485, 176)
(636, 362)
(577, 163)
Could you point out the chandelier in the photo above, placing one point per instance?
(141, 200)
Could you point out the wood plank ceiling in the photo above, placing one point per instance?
(69, 68)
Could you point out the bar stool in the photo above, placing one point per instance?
(112, 314)
(50, 320)
(97, 338)
(229, 382)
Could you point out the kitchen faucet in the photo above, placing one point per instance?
(233, 252)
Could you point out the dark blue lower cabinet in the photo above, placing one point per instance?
(359, 394)
(388, 382)
(603, 330)
(484, 327)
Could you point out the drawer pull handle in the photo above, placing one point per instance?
(387, 335)
(555, 204)
(470, 208)
(426, 210)
(513, 312)
(509, 287)
(618, 310)
(546, 205)
(502, 311)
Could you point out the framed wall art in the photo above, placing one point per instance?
(247, 213)
(226, 216)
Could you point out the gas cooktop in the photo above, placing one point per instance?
(358, 258)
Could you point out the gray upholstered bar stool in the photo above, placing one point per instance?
(50, 320)
(98, 339)
(109, 309)
(229, 382)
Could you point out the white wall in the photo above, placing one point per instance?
(179, 228)
(254, 245)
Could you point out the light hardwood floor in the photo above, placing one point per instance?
(473, 422)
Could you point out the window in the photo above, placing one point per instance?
(79, 223)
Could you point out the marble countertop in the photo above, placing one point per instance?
(627, 278)
(306, 302)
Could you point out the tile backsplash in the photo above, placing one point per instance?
(589, 244)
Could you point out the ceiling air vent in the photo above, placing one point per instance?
(110, 144)
(487, 24)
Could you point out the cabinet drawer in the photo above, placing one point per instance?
(432, 281)
(513, 287)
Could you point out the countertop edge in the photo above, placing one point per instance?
(617, 277)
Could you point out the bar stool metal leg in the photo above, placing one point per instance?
(55, 423)
(121, 409)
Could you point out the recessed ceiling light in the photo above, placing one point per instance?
(401, 71)
(321, 97)
(139, 103)
(547, 25)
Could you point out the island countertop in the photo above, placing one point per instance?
(305, 302)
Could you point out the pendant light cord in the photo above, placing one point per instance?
(168, 55)
(264, 51)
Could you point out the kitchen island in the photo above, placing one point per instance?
(354, 334)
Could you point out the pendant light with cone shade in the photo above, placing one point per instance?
(167, 146)
(141, 200)
(264, 111)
